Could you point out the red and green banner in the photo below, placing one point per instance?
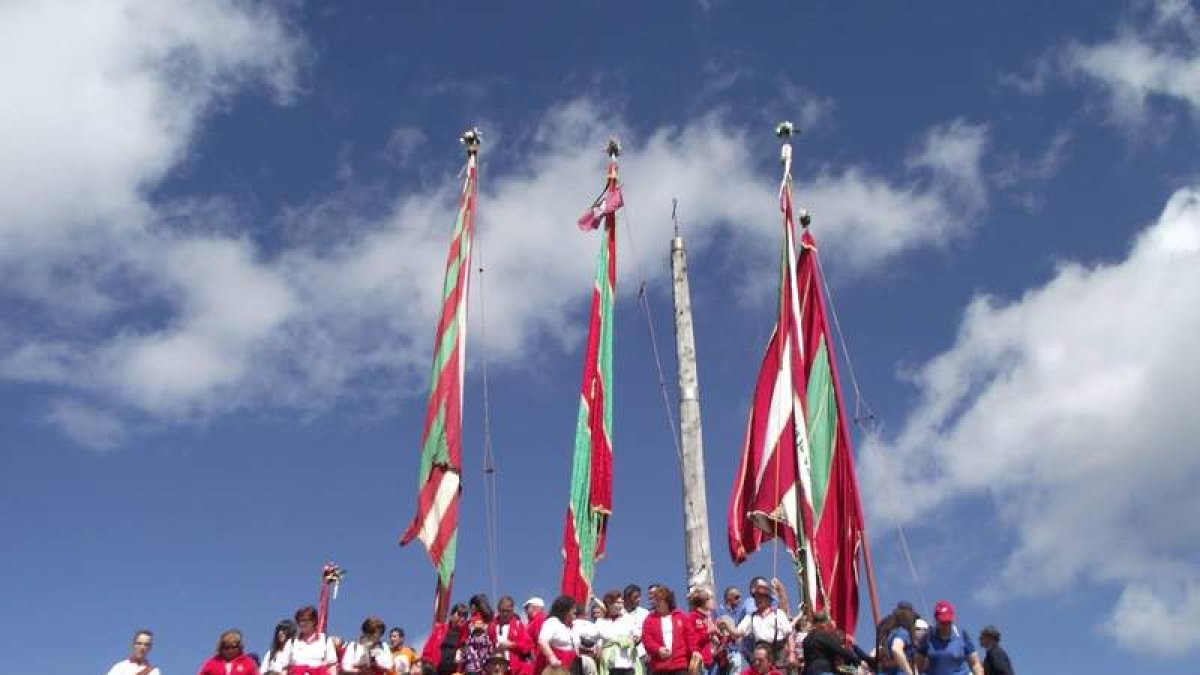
(836, 507)
(796, 479)
(440, 474)
(767, 499)
(591, 467)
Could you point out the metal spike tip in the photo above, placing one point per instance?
(471, 138)
(613, 148)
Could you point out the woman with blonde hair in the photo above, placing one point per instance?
(231, 658)
(704, 630)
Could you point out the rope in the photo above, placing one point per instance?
(865, 419)
(662, 383)
(644, 301)
(491, 504)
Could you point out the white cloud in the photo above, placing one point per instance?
(864, 218)
(1071, 408)
(403, 142)
(110, 96)
(166, 312)
(1025, 178)
(1158, 57)
(86, 425)
(321, 320)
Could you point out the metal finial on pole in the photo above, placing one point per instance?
(471, 138)
(785, 130)
(674, 220)
(613, 147)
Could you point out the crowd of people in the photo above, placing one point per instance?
(615, 635)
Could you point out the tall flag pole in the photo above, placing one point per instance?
(769, 496)
(440, 474)
(797, 480)
(591, 467)
(331, 581)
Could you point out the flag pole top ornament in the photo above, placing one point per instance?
(784, 131)
(332, 574)
(613, 147)
(472, 138)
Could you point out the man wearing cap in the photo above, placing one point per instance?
(767, 623)
(532, 606)
(996, 662)
(535, 616)
(948, 649)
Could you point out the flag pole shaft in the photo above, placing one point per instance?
(870, 566)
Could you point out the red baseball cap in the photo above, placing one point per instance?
(943, 611)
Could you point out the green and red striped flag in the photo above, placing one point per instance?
(440, 475)
(797, 480)
(591, 466)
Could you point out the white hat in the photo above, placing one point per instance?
(921, 624)
(535, 601)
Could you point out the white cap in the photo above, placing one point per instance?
(535, 601)
(921, 624)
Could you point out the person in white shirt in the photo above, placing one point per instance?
(273, 661)
(766, 623)
(637, 615)
(137, 663)
(621, 635)
(310, 651)
(587, 639)
(556, 642)
(369, 655)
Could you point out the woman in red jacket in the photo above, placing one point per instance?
(668, 636)
(704, 630)
(230, 658)
(441, 649)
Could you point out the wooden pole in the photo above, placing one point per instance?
(695, 501)
(866, 547)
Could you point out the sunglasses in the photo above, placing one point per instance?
(227, 645)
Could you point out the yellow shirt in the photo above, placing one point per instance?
(402, 658)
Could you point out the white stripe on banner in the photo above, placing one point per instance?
(447, 490)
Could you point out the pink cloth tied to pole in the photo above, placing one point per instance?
(606, 206)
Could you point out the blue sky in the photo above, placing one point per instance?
(222, 228)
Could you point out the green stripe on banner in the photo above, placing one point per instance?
(446, 567)
(606, 341)
(435, 450)
(445, 349)
(581, 478)
(822, 426)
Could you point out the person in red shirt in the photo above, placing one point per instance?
(760, 662)
(511, 639)
(230, 658)
(705, 635)
(668, 636)
(535, 616)
(441, 649)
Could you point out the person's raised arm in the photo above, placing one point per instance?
(784, 603)
(896, 645)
